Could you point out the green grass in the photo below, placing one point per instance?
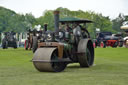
(111, 68)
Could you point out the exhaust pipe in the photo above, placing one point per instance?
(45, 27)
(56, 21)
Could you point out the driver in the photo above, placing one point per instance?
(85, 32)
(77, 30)
(68, 28)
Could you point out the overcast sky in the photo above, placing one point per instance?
(110, 8)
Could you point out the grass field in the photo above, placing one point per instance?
(111, 68)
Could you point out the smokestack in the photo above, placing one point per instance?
(45, 27)
(56, 20)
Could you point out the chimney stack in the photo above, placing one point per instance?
(56, 20)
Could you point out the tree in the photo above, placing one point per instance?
(11, 21)
(117, 23)
(48, 18)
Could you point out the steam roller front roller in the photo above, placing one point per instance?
(46, 59)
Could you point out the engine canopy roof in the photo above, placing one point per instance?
(74, 20)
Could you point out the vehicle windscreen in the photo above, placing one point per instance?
(103, 34)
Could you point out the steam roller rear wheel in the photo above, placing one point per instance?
(86, 50)
(45, 60)
(85, 60)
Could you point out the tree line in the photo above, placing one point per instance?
(12, 21)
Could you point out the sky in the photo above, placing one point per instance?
(110, 8)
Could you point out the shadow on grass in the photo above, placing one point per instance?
(74, 66)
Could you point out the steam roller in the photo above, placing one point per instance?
(58, 48)
(54, 57)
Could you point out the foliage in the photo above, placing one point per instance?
(11, 21)
(117, 23)
(48, 18)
